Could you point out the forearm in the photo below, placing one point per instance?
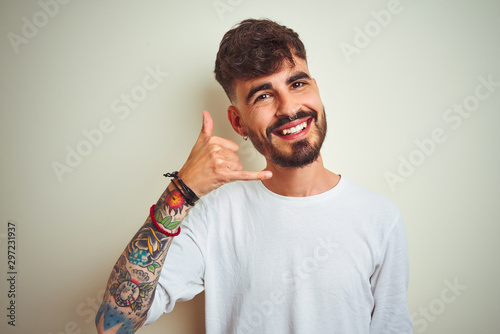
(131, 287)
(132, 283)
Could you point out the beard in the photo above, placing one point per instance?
(301, 152)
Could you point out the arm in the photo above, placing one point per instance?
(132, 283)
(389, 285)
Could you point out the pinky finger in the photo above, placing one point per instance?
(249, 176)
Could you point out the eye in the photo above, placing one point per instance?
(298, 84)
(262, 97)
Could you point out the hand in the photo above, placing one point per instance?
(213, 162)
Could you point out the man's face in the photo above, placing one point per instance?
(282, 114)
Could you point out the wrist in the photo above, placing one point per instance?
(186, 192)
(164, 227)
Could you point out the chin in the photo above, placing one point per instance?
(303, 155)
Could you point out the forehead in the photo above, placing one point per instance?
(287, 70)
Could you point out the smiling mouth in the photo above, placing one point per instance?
(294, 130)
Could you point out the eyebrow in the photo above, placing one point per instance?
(256, 89)
(268, 85)
(300, 75)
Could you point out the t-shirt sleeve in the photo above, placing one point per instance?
(390, 283)
(182, 275)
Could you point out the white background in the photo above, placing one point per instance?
(393, 92)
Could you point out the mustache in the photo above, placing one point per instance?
(282, 120)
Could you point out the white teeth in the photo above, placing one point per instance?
(295, 129)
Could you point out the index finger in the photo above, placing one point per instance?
(224, 143)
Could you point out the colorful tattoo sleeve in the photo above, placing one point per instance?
(132, 283)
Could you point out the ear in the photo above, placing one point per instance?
(234, 117)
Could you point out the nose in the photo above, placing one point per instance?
(289, 105)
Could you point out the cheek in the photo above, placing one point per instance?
(313, 101)
(261, 119)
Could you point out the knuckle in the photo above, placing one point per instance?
(238, 166)
(245, 176)
(213, 152)
(219, 162)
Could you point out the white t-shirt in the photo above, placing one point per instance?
(335, 262)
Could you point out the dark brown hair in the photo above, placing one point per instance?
(255, 48)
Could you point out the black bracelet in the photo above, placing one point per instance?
(182, 193)
(186, 192)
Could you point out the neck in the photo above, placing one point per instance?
(310, 180)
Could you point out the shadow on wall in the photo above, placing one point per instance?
(186, 318)
(216, 102)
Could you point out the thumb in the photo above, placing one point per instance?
(208, 125)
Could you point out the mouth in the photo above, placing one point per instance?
(295, 129)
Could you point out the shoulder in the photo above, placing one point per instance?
(369, 201)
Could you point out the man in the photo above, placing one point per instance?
(294, 248)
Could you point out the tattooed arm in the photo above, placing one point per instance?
(132, 284)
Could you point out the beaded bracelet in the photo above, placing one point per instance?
(160, 227)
